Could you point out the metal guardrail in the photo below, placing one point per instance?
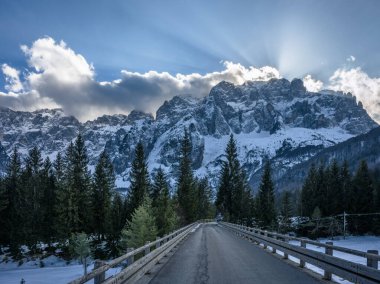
(136, 269)
(354, 272)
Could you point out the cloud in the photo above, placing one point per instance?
(59, 77)
(312, 85)
(12, 78)
(351, 58)
(365, 88)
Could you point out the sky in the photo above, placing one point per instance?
(114, 56)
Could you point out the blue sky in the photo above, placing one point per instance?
(194, 36)
(297, 37)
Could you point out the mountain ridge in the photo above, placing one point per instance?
(276, 119)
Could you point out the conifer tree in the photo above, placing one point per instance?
(102, 192)
(141, 228)
(166, 218)
(308, 193)
(267, 213)
(234, 200)
(74, 198)
(334, 197)
(186, 191)
(346, 183)
(48, 211)
(12, 216)
(364, 197)
(117, 223)
(204, 197)
(286, 211)
(363, 190)
(139, 180)
(32, 186)
(80, 247)
(223, 196)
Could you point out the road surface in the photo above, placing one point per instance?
(213, 254)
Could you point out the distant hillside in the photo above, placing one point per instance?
(365, 146)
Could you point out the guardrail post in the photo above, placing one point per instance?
(302, 262)
(372, 262)
(265, 234)
(158, 243)
(273, 249)
(101, 277)
(329, 251)
(147, 249)
(285, 254)
(130, 259)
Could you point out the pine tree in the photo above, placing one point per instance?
(166, 218)
(364, 197)
(74, 198)
(186, 191)
(141, 228)
(363, 190)
(223, 196)
(334, 196)
(102, 192)
(80, 247)
(117, 223)
(345, 179)
(48, 183)
(32, 185)
(308, 201)
(267, 213)
(320, 192)
(139, 180)
(204, 197)
(12, 202)
(12, 215)
(234, 200)
(286, 211)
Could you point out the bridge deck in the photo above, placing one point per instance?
(213, 254)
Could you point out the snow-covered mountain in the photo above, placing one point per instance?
(277, 119)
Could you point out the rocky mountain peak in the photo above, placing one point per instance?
(276, 119)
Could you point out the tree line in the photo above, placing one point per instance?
(57, 202)
(332, 189)
(328, 190)
(49, 202)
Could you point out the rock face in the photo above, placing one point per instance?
(277, 120)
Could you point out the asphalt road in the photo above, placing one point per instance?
(213, 254)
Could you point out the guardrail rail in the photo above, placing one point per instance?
(152, 253)
(351, 271)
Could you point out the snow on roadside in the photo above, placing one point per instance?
(362, 243)
(55, 271)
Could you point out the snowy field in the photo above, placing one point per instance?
(56, 271)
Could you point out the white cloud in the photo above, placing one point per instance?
(12, 78)
(59, 77)
(351, 58)
(312, 85)
(365, 88)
